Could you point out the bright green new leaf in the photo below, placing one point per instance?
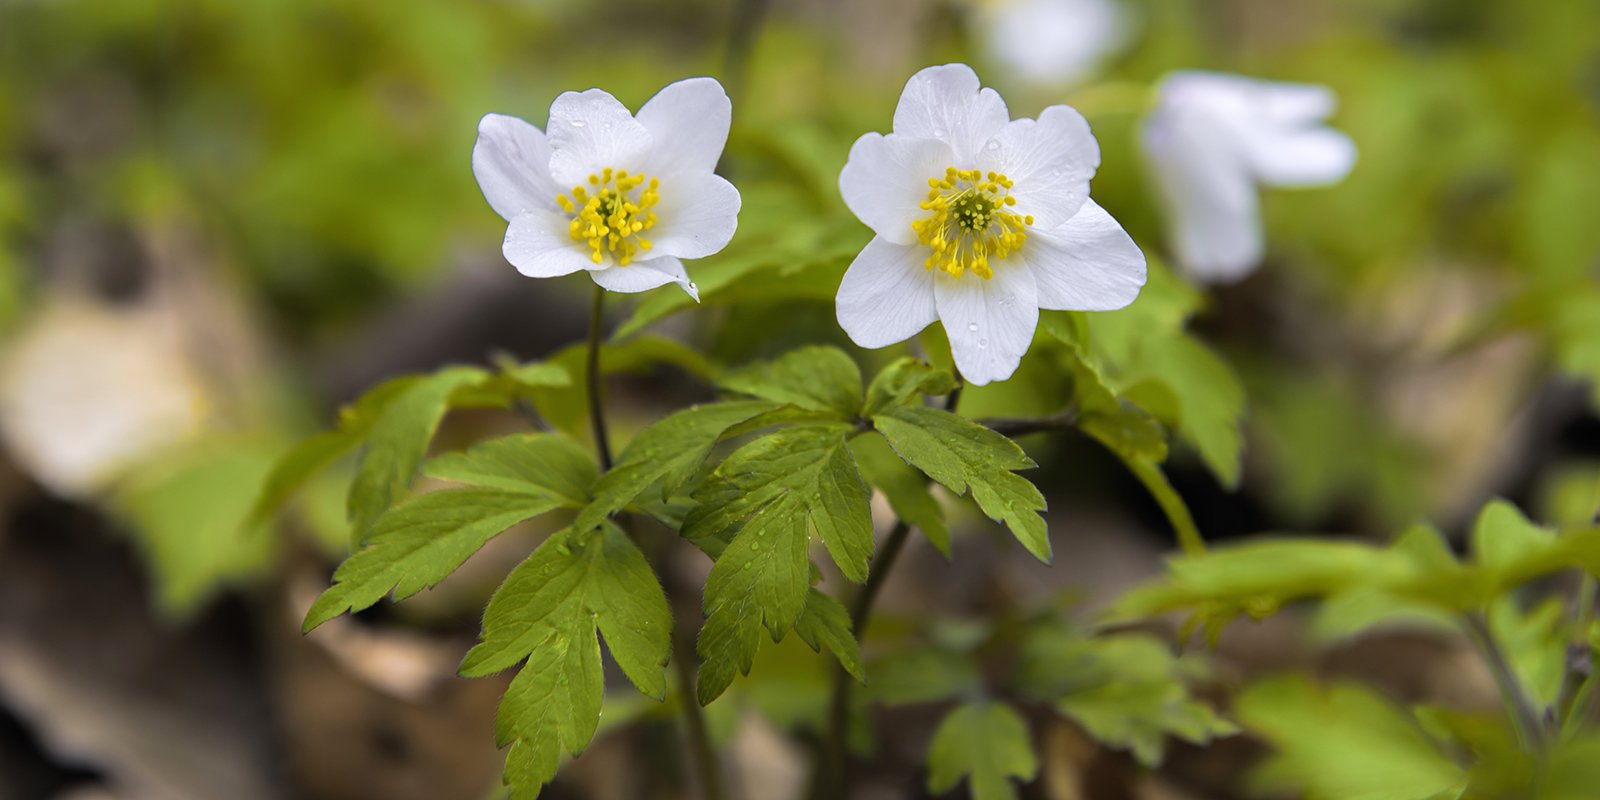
(755, 513)
(988, 744)
(666, 454)
(548, 612)
(397, 441)
(963, 455)
(421, 541)
(813, 378)
(1344, 742)
(905, 488)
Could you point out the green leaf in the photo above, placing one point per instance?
(813, 378)
(753, 518)
(397, 441)
(543, 463)
(549, 611)
(825, 623)
(421, 541)
(963, 455)
(906, 379)
(1344, 742)
(988, 744)
(666, 455)
(1126, 690)
(924, 675)
(1171, 503)
(905, 488)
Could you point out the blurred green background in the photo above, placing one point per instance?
(219, 221)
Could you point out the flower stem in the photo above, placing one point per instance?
(597, 416)
(1523, 716)
(695, 729)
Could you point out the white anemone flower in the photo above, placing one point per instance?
(601, 190)
(1051, 41)
(1213, 138)
(981, 220)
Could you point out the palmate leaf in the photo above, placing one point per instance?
(421, 541)
(548, 613)
(904, 487)
(755, 517)
(903, 380)
(988, 744)
(963, 455)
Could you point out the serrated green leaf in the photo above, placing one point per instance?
(963, 455)
(906, 379)
(754, 517)
(905, 488)
(531, 462)
(665, 455)
(421, 541)
(988, 744)
(600, 574)
(551, 612)
(825, 623)
(813, 378)
(1343, 742)
(397, 441)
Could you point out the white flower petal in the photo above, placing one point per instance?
(990, 322)
(886, 295)
(1300, 159)
(885, 181)
(1088, 264)
(1051, 160)
(1053, 41)
(539, 245)
(590, 131)
(512, 163)
(947, 103)
(1214, 219)
(642, 276)
(697, 215)
(688, 122)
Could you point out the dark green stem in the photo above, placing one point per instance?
(694, 717)
(597, 416)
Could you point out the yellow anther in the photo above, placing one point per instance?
(970, 222)
(610, 220)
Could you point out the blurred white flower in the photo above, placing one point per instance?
(981, 221)
(601, 190)
(1212, 138)
(1051, 41)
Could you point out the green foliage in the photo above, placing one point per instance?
(548, 613)
(1126, 690)
(753, 518)
(419, 542)
(1344, 742)
(904, 487)
(1418, 569)
(821, 379)
(987, 743)
(963, 455)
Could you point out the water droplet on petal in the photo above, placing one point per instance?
(938, 133)
(972, 327)
(983, 342)
(693, 287)
(993, 145)
(578, 123)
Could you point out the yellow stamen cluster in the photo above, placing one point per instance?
(971, 221)
(610, 216)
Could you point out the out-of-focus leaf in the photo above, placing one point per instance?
(986, 743)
